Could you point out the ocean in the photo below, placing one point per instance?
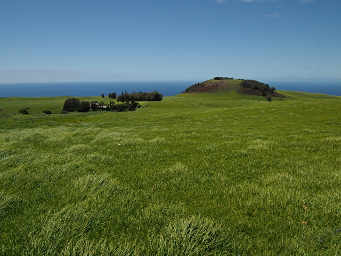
(166, 88)
(331, 88)
(88, 88)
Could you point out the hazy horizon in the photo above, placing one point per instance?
(312, 82)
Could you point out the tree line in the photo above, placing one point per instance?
(129, 102)
(135, 96)
(140, 96)
(263, 88)
(74, 105)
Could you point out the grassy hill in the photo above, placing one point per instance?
(195, 174)
(214, 85)
(242, 86)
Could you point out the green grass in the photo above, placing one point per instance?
(231, 83)
(224, 85)
(196, 174)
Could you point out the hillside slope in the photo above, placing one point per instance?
(219, 84)
(195, 174)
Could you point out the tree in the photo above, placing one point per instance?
(157, 96)
(112, 95)
(84, 106)
(71, 104)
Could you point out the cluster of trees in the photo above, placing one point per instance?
(112, 106)
(129, 103)
(223, 78)
(263, 88)
(74, 104)
(193, 87)
(112, 95)
(140, 96)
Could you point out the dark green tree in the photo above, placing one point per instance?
(112, 95)
(84, 106)
(71, 105)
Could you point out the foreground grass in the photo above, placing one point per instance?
(199, 174)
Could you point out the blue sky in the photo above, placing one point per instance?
(145, 40)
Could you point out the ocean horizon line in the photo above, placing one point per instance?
(167, 88)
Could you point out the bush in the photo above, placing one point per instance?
(24, 111)
(134, 105)
(127, 106)
(84, 106)
(71, 104)
(47, 112)
(120, 107)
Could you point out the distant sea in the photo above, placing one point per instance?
(88, 88)
(331, 88)
(166, 88)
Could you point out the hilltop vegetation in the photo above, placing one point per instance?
(195, 174)
(242, 86)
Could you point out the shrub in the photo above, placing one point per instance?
(24, 111)
(102, 95)
(47, 112)
(120, 107)
(134, 105)
(127, 106)
(71, 104)
(84, 106)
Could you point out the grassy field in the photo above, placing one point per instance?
(196, 174)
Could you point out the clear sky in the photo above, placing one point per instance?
(144, 40)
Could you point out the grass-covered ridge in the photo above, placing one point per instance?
(195, 174)
(241, 86)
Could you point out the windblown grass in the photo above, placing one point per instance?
(198, 174)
